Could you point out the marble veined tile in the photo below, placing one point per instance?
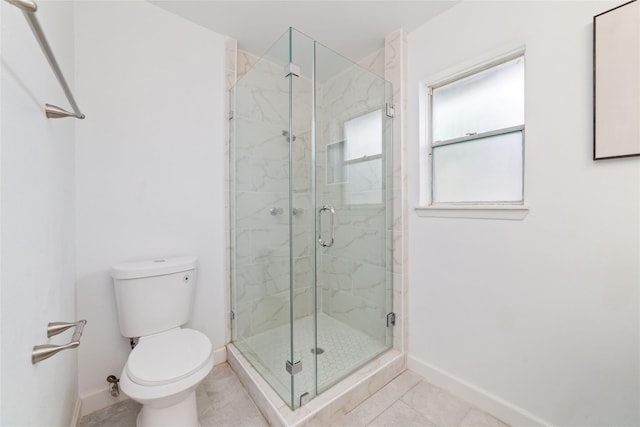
(122, 414)
(368, 410)
(400, 414)
(374, 62)
(436, 405)
(221, 399)
(476, 418)
(405, 401)
(228, 400)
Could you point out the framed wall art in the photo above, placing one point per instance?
(616, 82)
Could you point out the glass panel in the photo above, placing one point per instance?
(482, 170)
(389, 217)
(364, 186)
(260, 252)
(302, 219)
(362, 159)
(363, 136)
(488, 100)
(292, 301)
(354, 274)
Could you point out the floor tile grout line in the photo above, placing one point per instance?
(411, 388)
(391, 404)
(469, 404)
(380, 413)
(376, 417)
(396, 401)
(465, 415)
(438, 392)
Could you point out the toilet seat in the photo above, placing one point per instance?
(168, 357)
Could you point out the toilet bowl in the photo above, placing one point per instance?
(163, 372)
(154, 299)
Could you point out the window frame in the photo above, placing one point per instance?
(467, 209)
(471, 138)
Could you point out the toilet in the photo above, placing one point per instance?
(154, 299)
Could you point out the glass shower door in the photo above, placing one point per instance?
(303, 289)
(261, 279)
(353, 208)
(310, 202)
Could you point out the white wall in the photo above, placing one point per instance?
(37, 263)
(543, 312)
(150, 162)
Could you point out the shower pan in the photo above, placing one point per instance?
(311, 211)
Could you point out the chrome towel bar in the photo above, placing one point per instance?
(45, 351)
(29, 8)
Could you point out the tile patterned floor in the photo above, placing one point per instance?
(344, 350)
(407, 401)
(221, 399)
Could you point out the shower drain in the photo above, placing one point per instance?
(317, 350)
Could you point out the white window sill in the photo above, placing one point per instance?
(508, 212)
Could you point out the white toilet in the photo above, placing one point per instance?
(154, 298)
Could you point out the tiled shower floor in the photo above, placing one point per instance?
(345, 349)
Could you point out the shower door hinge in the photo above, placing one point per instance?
(294, 368)
(390, 110)
(232, 315)
(291, 69)
(391, 319)
(231, 115)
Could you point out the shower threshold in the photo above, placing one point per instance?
(341, 350)
(341, 397)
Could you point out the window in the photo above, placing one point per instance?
(356, 162)
(476, 135)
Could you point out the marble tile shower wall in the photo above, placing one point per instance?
(231, 75)
(354, 274)
(262, 199)
(395, 71)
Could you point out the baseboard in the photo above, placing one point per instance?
(101, 398)
(98, 399)
(75, 418)
(496, 406)
(220, 355)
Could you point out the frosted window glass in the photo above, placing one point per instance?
(482, 170)
(365, 183)
(489, 100)
(363, 136)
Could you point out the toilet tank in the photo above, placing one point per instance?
(154, 296)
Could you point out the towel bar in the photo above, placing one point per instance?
(29, 8)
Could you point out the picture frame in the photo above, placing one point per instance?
(616, 82)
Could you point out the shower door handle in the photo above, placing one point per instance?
(332, 211)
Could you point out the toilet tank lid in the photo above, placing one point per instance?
(153, 267)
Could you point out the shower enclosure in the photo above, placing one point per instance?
(310, 201)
